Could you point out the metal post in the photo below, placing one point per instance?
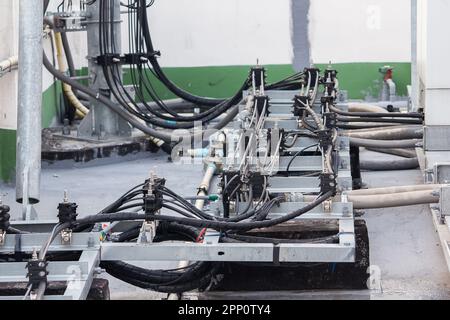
(101, 122)
(28, 167)
(414, 73)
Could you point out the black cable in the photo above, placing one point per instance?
(217, 225)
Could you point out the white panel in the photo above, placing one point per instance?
(437, 107)
(218, 33)
(438, 48)
(9, 47)
(360, 31)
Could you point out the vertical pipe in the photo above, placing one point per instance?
(414, 72)
(102, 122)
(28, 167)
(205, 185)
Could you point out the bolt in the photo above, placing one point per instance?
(346, 211)
(34, 256)
(98, 271)
(91, 241)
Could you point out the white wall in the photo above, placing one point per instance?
(9, 47)
(218, 33)
(9, 34)
(238, 32)
(360, 31)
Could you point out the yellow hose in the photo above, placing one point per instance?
(81, 110)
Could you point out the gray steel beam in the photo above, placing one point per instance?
(187, 251)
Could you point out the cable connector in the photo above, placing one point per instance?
(327, 100)
(330, 76)
(325, 138)
(153, 196)
(311, 75)
(139, 58)
(330, 120)
(258, 76)
(299, 105)
(37, 273)
(110, 59)
(328, 183)
(67, 212)
(262, 105)
(4, 218)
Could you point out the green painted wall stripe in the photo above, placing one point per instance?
(363, 80)
(51, 104)
(7, 154)
(218, 82)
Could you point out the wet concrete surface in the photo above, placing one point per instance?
(404, 245)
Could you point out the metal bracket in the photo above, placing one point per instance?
(441, 173)
(66, 237)
(444, 200)
(148, 232)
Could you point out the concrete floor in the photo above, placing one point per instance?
(404, 245)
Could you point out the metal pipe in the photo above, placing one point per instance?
(392, 190)
(394, 200)
(8, 65)
(390, 165)
(390, 134)
(385, 144)
(364, 107)
(205, 185)
(405, 153)
(28, 167)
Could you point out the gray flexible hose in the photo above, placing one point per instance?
(364, 107)
(393, 200)
(405, 153)
(396, 189)
(384, 127)
(390, 165)
(389, 134)
(384, 144)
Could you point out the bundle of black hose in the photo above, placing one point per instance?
(4, 218)
(220, 226)
(67, 212)
(196, 276)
